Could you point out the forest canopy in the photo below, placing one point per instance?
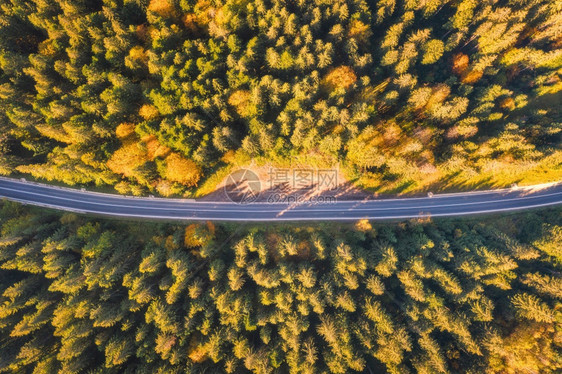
(405, 95)
(167, 96)
(80, 295)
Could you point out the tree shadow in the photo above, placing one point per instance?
(451, 184)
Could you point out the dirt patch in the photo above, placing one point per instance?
(287, 185)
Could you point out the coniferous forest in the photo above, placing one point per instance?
(158, 95)
(166, 97)
(451, 296)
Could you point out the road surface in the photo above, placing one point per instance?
(440, 205)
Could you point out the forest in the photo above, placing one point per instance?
(160, 95)
(85, 295)
(165, 97)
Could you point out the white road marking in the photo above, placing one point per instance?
(436, 196)
(420, 215)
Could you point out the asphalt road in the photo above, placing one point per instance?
(454, 204)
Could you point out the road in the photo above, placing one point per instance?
(440, 205)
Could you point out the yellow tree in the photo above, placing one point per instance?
(181, 170)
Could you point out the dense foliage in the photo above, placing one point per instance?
(85, 295)
(157, 95)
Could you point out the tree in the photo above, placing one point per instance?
(433, 50)
(531, 307)
(182, 170)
